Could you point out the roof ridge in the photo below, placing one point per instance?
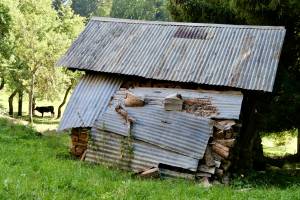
(164, 23)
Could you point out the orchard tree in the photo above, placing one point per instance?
(5, 24)
(40, 37)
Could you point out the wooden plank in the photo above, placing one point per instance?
(226, 142)
(204, 168)
(173, 102)
(208, 157)
(132, 100)
(221, 150)
(150, 173)
(203, 174)
(217, 163)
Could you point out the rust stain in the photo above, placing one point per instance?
(200, 106)
(183, 32)
(244, 57)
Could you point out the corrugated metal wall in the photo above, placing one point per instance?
(224, 55)
(228, 103)
(157, 136)
(89, 99)
(108, 148)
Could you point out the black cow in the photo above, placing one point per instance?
(46, 109)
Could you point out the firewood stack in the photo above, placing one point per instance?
(217, 158)
(79, 137)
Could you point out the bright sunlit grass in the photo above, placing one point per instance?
(280, 144)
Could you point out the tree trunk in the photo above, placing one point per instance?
(298, 144)
(249, 152)
(20, 103)
(31, 100)
(2, 83)
(63, 102)
(10, 103)
(33, 106)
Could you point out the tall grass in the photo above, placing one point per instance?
(38, 166)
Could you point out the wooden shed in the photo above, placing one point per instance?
(168, 97)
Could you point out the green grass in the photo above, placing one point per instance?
(38, 166)
(41, 124)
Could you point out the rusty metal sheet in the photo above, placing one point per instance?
(222, 55)
(226, 104)
(108, 148)
(89, 100)
(176, 131)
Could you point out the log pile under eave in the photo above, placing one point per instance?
(79, 137)
(217, 158)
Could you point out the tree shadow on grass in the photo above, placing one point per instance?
(284, 177)
(47, 120)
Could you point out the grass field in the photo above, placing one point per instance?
(35, 166)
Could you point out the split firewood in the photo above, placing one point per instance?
(119, 109)
(217, 163)
(173, 102)
(203, 174)
(83, 155)
(79, 151)
(150, 173)
(229, 134)
(220, 149)
(219, 172)
(132, 100)
(218, 133)
(83, 137)
(80, 144)
(224, 124)
(226, 165)
(74, 138)
(204, 168)
(208, 157)
(217, 157)
(228, 142)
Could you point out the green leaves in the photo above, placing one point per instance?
(140, 9)
(38, 36)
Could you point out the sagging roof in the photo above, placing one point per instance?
(89, 99)
(223, 55)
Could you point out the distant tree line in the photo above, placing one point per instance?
(129, 9)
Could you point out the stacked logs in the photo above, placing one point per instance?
(79, 137)
(217, 158)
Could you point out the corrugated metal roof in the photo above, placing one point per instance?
(108, 148)
(89, 99)
(224, 55)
